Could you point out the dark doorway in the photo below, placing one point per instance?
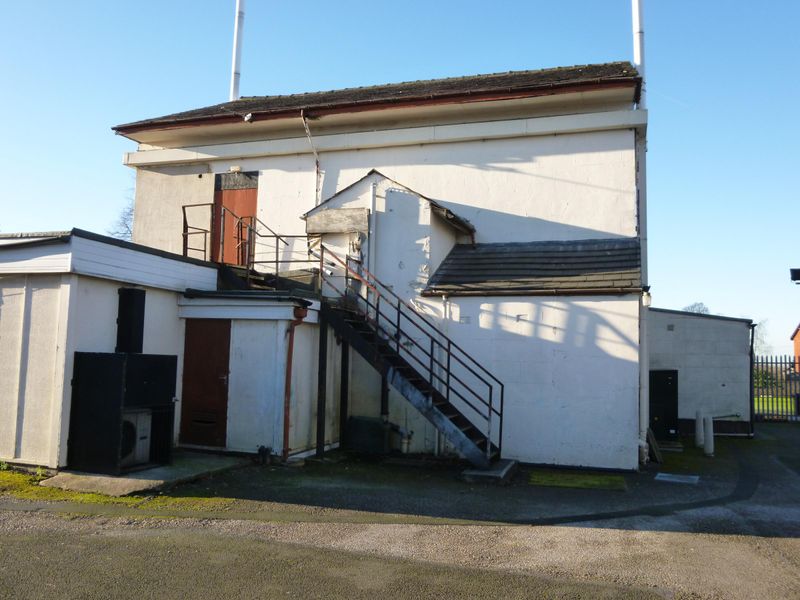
(235, 204)
(204, 406)
(664, 404)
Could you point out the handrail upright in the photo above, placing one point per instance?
(430, 331)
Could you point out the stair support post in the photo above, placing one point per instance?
(384, 399)
(489, 427)
(344, 392)
(447, 375)
(322, 380)
(397, 330)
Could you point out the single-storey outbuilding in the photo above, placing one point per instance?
(78, 295)
(699, 362)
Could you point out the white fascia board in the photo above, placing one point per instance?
(235, 308)
(435, 134)
(36, 258)
(106, 261)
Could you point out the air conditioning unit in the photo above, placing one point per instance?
(135, 446)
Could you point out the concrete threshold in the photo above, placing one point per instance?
(185, 467)
(500, 472)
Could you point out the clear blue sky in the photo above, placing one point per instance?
(723, 94)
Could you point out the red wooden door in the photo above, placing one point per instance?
(233, 211)
(204, 405)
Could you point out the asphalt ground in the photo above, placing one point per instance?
(353, 528)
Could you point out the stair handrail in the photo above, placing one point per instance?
(407, 305)
(375, 284)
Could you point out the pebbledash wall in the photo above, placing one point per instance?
(712, 357)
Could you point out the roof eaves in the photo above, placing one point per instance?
(234, 111)
(687, 313)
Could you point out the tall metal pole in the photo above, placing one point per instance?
(641, 191)
(638, 46)
(238, 28)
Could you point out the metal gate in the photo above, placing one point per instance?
(776, 388)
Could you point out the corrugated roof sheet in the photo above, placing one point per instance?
(604, 266)
(432, 89)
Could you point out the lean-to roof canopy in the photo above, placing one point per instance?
(582, 267)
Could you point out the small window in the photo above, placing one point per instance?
(130, 320)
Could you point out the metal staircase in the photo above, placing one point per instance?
(452, 390)
(460, 397)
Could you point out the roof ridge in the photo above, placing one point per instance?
(422, 90)
(436, 79)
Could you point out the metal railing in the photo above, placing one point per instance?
(257, 246)
(776, 388)
(446, 366)
(213, 236)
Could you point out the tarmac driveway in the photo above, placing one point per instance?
(353, 529)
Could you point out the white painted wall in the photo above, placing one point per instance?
(572, 399)
(555, 187)
(30, 316)
(570, 369)
(712, 357)
(256, 385)
(93, 329)
(303, 421)
(155, 223)
(44, 320)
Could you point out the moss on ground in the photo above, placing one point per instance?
(578, 479)
(26, 487)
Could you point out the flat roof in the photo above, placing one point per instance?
(50, 237)
(686, 313)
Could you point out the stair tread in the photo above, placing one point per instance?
(384, 353)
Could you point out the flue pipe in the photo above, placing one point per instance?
(638, 46)
(238, 28)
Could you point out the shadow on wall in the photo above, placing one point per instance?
(500, 158)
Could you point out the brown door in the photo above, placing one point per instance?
(234, 211)
(204, 406)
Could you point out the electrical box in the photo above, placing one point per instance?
(122, 412)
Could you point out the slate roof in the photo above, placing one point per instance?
(474, 86)
(583, 267)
